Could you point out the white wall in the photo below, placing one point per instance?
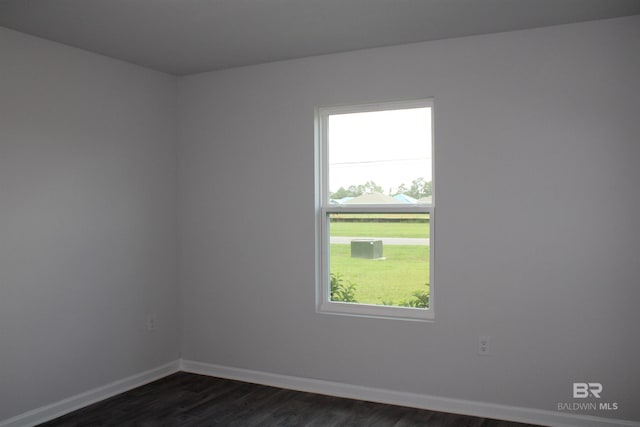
(537, 217)
(87, 221)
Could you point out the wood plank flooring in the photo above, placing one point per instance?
(191, 400)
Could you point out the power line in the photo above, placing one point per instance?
(378, 161)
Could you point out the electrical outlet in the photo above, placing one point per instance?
(152, 323)
(483, 345)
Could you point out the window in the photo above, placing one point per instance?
(375, 210)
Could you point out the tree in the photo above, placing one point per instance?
(367, 187)
(357, 190)
(402, 189)
(419, 188)
(341, 193)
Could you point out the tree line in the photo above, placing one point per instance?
(418, 189)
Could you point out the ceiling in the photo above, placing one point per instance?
(192, 36)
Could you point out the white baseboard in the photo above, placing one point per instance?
(421, 401)
(55, 410)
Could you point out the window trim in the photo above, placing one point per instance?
(323, 209)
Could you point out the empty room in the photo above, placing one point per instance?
(319, 213)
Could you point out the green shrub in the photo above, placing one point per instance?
(419, 299)
(341, 291)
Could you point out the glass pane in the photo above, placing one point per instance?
(380, 259)
(384, 153)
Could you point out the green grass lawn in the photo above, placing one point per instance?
(379, 229)
(404, 270)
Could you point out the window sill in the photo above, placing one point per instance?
(376, 311)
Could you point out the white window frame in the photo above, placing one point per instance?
(323, 209)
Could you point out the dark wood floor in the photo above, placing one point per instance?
(185, 399)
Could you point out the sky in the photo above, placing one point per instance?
(388, 147)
